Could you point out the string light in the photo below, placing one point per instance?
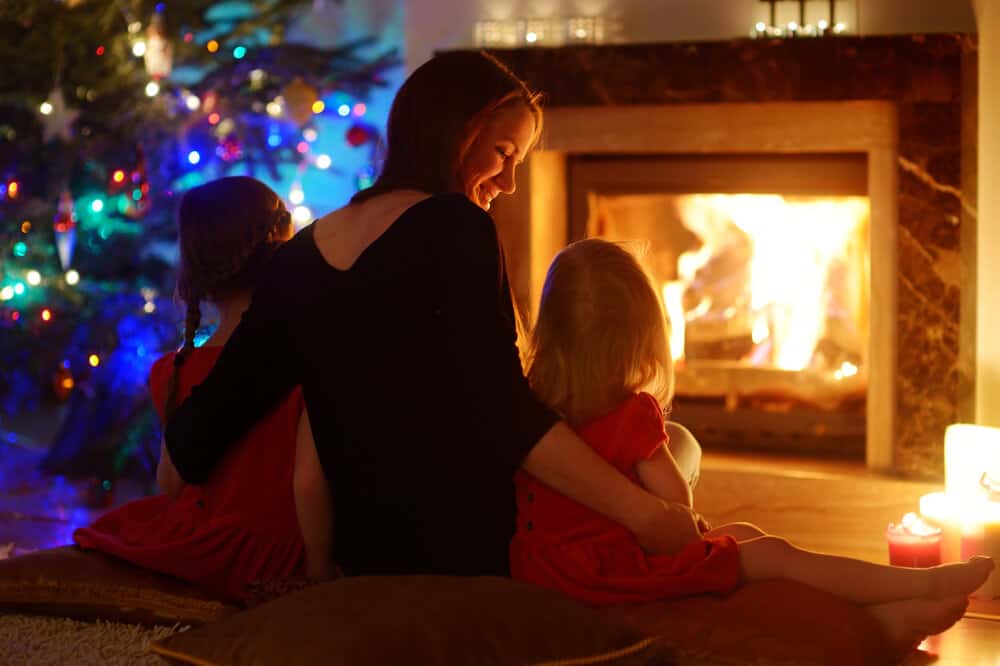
(296, 196)
(214, 118)
(344, 110)
(302, 147)
(97, 205)
(13, 188)
(310, 135)
(25, 227)
(239, 52)
(149, 307)
(46, 314)
(360, 109)
(301, 215)
(318, 106)
(274, 140)
(194, 157)
(139, 49)
(323, 161)
(152, 88)
(45, 108)
(72, 277)
(212, 46)
(19, 288)
(6, 293)
(34, 278)
(20, 249)
(94, 360)
(118, 176)
(100, 50)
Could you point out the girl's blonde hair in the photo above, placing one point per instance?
(601, 333)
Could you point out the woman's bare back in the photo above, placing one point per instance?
(344, 234)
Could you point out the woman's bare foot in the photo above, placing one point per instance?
(906, 623)
(962, 578)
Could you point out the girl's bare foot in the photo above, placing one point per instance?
(962, 578)
(906, 623)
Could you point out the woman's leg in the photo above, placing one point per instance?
(857, 580)
(685, 450)
(313, 504)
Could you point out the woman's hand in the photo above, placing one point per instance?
(666, 528)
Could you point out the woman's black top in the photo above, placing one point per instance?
(415, 392)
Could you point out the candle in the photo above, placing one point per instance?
(913, 543)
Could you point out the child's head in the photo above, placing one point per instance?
(228, 231)
(601, 334)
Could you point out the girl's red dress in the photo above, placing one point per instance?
(237, 528)
(566, 546)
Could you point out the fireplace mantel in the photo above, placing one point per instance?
(905, 101)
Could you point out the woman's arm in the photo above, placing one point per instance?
(168, 480)
(313, 504)
(481, 337)
(566, 463)
(256, 369)
(661, 476)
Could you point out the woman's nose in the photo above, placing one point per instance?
(505, 180)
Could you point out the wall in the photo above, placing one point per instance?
(988, 224)
(437, 24)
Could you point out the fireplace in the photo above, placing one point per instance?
(759, 228)
(762, 262)
(901, 108)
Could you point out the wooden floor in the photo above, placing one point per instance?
(838, 508)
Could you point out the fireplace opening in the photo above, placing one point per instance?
(763, 263)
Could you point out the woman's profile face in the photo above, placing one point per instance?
(488, 166)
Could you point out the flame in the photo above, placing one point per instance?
(795, 242)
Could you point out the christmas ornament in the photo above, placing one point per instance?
(230, 149)
(299, 97)
(100, 493)
(64, 225)
(159, 56)
(57, 119)
(62, 383)
(358, 135)
(137, 202)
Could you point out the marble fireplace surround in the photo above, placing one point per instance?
(898, 100)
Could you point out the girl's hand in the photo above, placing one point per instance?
(668, 529)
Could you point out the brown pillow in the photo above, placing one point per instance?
(775, 621)
(420, 620)
(88, 585)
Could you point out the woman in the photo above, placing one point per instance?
(394, 314)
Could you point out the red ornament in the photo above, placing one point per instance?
(62, 383)
(358, 135)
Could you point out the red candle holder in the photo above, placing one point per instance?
(913, 543)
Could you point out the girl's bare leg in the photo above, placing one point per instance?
(906, 623)
(313, 504)
(857, 580)
(739, 531)
(909, 604)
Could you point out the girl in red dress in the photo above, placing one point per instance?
(265, 512)
(600, 357)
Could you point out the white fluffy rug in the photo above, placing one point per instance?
(30, 640)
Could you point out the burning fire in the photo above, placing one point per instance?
(801, 250)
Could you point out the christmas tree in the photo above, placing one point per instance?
(109, 110)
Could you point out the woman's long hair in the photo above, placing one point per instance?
(436, 115)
